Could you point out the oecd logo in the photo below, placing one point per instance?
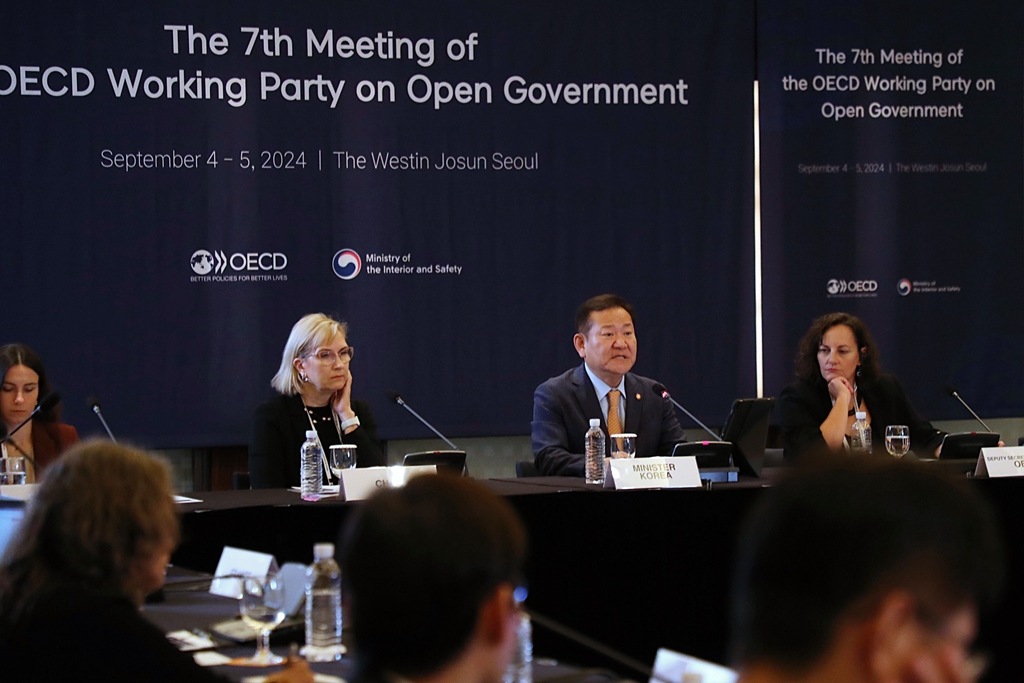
(851, 287)
(203, 262)
(904, 287)
(347, 264)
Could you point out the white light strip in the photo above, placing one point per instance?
(758, 319)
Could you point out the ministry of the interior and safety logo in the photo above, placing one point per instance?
(347, 264)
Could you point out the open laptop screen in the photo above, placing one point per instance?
(747, 429)
(11, 513)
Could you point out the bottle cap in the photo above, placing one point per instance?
(323, 551)
(595, 422)
(310, 433)
(862, 416)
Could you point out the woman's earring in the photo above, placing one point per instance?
(306, 379)
(858, 371)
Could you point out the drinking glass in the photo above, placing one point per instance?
(343, 457)
(262, 609)
(623, 445)
(897, 440)
(12, 470)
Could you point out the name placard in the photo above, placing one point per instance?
(360, 483)
(1000, 462)
(235, 562)
(654, 473)
(679, 668)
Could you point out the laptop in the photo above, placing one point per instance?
(11, 512)
(747, 429)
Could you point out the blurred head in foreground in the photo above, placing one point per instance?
(865, 572)
(429, 573)
(102, 519)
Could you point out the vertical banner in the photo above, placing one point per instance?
(181, 181)
(891, 179)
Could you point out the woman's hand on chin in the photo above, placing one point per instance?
(342, 400)
(839, 387)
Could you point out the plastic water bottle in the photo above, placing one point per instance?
(520, 669)
(595, 453)
(323, 606)
(312, 455)
(860, 440)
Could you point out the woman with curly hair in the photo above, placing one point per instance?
(837, 376)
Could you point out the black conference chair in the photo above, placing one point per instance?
(526, 468)
(240, 481)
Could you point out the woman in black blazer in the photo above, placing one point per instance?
(314, 383)
(838, 375)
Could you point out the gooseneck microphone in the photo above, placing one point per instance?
(660, 388)
(48, 403)
(952, 392)
(594, 645)
(393, 395)
(94, 405)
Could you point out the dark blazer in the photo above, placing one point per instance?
(564, 405)
(74, 633)
(279, 430)
(805, 405)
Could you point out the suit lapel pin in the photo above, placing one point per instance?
(638, 397)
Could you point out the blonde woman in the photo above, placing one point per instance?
(314, 383)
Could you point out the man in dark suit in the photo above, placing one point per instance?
(602, 387)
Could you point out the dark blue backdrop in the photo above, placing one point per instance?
(651, 201)
(955, 235)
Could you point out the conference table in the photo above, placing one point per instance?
(635, 570)
(182, 608)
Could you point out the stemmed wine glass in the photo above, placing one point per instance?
(897, 440)
(262, 609)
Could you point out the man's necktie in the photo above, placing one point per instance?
(614, 423)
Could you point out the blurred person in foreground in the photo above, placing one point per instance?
(429, 575)
(95, 540)
(865, 572)
(23, 383)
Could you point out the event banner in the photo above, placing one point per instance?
(181, 181)
(891, 188)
